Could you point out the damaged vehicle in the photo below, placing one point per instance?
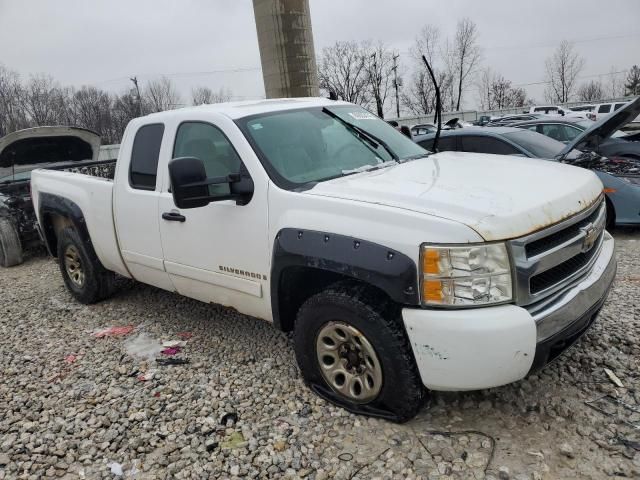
(397, 270)
(619, 144)
(56, 147)
(620, 174)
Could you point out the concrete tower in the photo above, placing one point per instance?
(286, 48)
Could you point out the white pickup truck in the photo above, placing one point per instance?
(395, 268)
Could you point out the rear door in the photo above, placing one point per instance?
(136, 193)
(217, 253)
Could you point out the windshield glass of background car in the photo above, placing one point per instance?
(308, 145)
(538, 145)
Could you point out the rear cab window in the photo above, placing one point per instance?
(604, 108)
(143, 168)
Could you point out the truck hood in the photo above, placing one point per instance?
(591, 138)
(500, 197)
(40, 145)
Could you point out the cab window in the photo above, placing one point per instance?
(144, 157)
(604, 108)
(208, 143)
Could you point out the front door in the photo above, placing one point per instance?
(217, 253)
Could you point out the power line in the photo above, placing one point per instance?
(579, 78)
(181, 74)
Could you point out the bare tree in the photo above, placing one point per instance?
(43, 101)
(590, 91)
(562, 70)
(124, 109)
(632, 85)
(204, 95)
(497, 92)
(341, 70)
(161, 95)
(92, 109)
(485, 81)
(614, 86)
(465, 55)
(378, 60)
(419, 94)
(12, 115)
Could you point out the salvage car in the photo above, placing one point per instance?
(394, 268)
(60, 148)
(619, 144)
(620, 175)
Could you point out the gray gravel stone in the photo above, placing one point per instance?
(58, 419)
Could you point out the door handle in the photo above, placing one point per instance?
(173, 217)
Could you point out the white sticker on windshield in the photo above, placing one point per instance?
(363, 115)
(256, 126)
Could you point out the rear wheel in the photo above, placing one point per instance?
(352, 350)
(10, 247)
(83, 274)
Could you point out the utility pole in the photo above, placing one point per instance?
(395, 83)
(287, 54)
(376, 80)
(135, 82)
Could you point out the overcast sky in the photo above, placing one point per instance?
(104, 42)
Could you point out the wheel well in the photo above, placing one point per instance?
(611, 213)
(53, 223)
(297, 284)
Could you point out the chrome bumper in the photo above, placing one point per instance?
(580, 300)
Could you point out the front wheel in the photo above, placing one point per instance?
(352, 350)
(83, 274)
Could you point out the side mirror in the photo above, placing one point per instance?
(190, 185)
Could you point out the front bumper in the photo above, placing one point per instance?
(487, 347)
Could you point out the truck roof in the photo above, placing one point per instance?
(235, 110)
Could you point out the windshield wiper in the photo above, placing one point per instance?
(369, 168)
(370, 138)
(415, 157)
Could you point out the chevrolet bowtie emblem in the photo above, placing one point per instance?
(591, 234)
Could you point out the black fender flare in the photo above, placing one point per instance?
(384, 268)
(51, 204)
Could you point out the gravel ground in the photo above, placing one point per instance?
(76, 406)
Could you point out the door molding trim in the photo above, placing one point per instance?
(214, 278)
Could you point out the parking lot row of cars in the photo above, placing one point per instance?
(549, 134)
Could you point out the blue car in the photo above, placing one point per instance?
(620, 176)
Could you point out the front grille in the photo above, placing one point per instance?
(549, 260)
(559, 273)
(558, 238)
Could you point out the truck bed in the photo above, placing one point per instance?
(90, 188)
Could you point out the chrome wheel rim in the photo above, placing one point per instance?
(348, 362)
(73, 265)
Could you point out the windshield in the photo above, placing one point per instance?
(315, 144)
(539, 145)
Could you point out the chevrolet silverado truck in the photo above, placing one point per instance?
(395, 269)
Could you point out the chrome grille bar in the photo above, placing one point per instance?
(579, 237)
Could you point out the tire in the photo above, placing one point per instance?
(83, 274)
(397, 392)
(10, 247)
(611, 216)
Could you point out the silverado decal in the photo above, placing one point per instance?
(236, 271)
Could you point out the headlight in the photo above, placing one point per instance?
(465, 275)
